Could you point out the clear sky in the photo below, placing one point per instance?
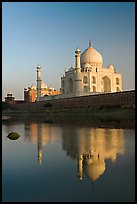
(48, 33)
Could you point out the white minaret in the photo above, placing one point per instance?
(78, 80)
(38, 82)
(77, 56)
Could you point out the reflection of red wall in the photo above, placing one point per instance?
(108, 99)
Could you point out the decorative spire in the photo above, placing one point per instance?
(89, 43)
(38, 66)
(77, 51)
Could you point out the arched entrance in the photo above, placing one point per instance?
(94, 89)
(85, 80)
(85, 88)
(106, 84)
(118, 89)
(70, 85)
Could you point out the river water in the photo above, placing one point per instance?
(62, 162)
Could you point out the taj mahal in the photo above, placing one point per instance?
(87, 77)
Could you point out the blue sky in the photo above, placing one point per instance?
(48, 33)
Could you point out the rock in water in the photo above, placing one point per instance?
(13, 136)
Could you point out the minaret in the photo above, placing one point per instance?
(77, 65)
(78, 80)
(120, 79)
(38, 82)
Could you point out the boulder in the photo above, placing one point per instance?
(13, 136)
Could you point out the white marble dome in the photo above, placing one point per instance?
(91, 55)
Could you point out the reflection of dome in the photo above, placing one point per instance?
(91, 55)
(95, 169)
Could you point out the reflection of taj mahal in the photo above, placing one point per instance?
(90, 147)
(40, 134)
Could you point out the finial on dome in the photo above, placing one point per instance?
(89, 43)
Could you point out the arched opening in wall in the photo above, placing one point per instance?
(85, 89)
(117, 81)
(70, 85)
(106, 84)
(94, 89)
(118, 89)
(85, 80)
(93, 79)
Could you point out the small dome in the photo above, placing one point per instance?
(38, 67)
(51, 88)
(71, 68)
(9, 94)
(33, 87)
(91, 55)
(77, 51)
(43, 85)
(110, 66)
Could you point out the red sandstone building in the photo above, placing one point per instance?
(30, 93)
(9, 99)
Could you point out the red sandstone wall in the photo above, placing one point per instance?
(108, 99)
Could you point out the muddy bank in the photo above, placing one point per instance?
(112, 118)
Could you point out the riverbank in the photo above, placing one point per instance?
(101, 116)
(105, 112)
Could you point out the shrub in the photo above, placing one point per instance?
(48, 105)
(5, 105)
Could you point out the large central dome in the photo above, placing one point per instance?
(91, 55)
